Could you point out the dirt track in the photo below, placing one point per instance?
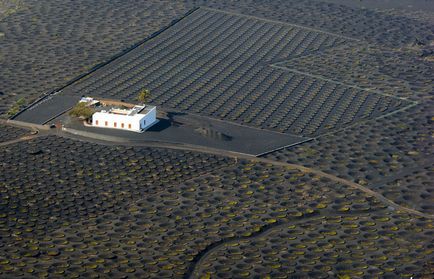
(237, 156)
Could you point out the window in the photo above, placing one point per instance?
(96, 122)
(106, 123)
(129, 126)
(115, 124)
(122, 125)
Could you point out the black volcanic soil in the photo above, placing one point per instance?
(401, 5)
(9, 133)
(77, 208)
(392, 156)
(326, 247)
(48, 43)
(203, 65)
(193, 130)
(70, 208)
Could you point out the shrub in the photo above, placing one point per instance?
(16, 107)
(82, 110)
(144, 96)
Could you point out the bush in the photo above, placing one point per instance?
(82, 110)
(16, 107)
(144, 96)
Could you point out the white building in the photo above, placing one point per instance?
(89, 101)
(137, 119)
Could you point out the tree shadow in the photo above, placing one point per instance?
(164, 123)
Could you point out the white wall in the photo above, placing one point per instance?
(100, 119)
(149, 119)
(136, 121)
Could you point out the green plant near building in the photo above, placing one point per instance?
(82, 110)
(144, 96)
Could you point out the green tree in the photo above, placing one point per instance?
(82, 110)
(144, 95)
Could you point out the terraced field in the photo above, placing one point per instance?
(47, 43)
(9, 133)
(389, 71)
(392, 156)
(50, 171)
(8, 7)
(362, 246)
(203, 65)
(61, 39)
(154, 212)
(392, 28)
(354, 202)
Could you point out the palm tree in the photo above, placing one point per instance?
(144, 96)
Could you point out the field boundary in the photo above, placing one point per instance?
(275, 65)
(370, 90)
(239, 156)
(282, 22)
(103, 64)
(407, 105)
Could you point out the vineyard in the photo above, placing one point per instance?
(294, 141)
(219, 64)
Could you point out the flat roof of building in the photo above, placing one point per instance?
(143, 110)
